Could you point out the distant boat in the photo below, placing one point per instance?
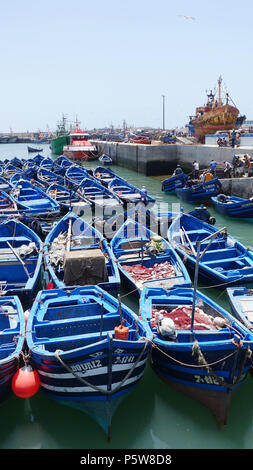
(80, 148)
(105, 159)
(31, 149)
(216, 115)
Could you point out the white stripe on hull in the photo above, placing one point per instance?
(86, 389)
(91, 372)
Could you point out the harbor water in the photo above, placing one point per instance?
(153, 415)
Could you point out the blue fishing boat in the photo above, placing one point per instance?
(199, 192)
(129, 193)
(171, 184)
(104, 175)
(85, 357)
(38, 159)
(63, 161)
(5, 185)
(224, 260)
(47, 163)
(98, 194)
(12, 337)
(199, 348)
(47, 177)
(77, 254)
(67, 198)
(233, 206)
(9, 170)
(146, 259)
(20, 259)
(105, 159)
(241, 303)
(8, 206)
(31, 200)
(75, 175)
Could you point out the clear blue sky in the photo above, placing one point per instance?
(107, 60)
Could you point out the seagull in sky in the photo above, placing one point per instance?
(187, 17)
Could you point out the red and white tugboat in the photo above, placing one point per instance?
(79, 147)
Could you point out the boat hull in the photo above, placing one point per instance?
(80, 155)
(58, 144)
(199, 193)
(218, 119)
(236, 208)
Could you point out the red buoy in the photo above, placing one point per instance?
(50, 285)
(25, 382)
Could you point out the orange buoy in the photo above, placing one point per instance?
(25, 382)
(121, 332)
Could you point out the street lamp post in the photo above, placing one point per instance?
(163, 96)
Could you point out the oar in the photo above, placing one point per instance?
(189, 241)
(19, 259)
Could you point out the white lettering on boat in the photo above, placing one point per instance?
(86, 366)
(124, 359)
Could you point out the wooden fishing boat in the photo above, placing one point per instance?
(9, 170)
(63, 161)
(38, 159)
(171, 184)
(141, 264)
(105, 159)
(20, 259)
(75, 175)
(199, 192)
(203, 352)
(241, 303)
(104, 175)
(98, 194)
(233, 206)
(32, 200)
(77, 254)
(48, 177)
(8, 206)
(224, 260)
(5, 185)
(12, 336)
(129, 193)
(85, 357)
(66, 198)
(32, 149)
(47, 163)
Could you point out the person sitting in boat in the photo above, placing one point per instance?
(189, 183)
(178, 170)
(208, 176)
(155, 246)
(228, 169)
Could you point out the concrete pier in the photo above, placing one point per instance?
(241, 187)
(154, 160)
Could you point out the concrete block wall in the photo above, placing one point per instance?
(154, 160)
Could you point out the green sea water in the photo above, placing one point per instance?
(153, 416)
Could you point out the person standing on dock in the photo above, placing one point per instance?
(213, 165)
(195, 170)
(228, 169)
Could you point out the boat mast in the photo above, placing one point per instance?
(219, 90)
